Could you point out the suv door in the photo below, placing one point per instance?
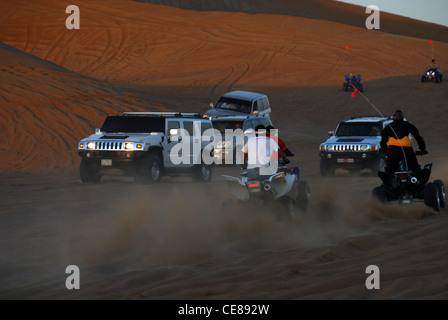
(172, 140)
(190, 135)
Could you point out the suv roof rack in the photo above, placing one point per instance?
(164, 114)
(376, 116)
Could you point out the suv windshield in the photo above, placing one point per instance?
(222, 125)
(234, 105)
(133, 124)
(370, 129)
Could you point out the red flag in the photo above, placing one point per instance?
(430, 41)
(347, 47)
(355, 91)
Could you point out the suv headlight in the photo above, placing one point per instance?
(365, 147)
(128, 145)
(90, 145)
(223, 144)
(328, 148)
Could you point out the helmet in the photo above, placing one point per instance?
(260, 129)
(398, 115)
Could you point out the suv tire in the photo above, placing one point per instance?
(202, 173)
(88, 172)
(326, 169)
(150, 170)
(378, 165)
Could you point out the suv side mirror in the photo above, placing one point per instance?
(211, 105)
(97, 130)
(331, 133)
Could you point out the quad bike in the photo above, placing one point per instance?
(432, 75)
(283, 190)
(406, 186)
(353, 82)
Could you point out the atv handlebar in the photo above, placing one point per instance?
(421, 152)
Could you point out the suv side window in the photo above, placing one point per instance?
(188, 126)
(266, 122)
(255, 122)
(172, 125)
(261, 104)
(204, 127)
(247, 125)
(256, 106)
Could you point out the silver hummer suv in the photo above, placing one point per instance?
(355, 145)
(147, 145)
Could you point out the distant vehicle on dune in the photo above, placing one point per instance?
(239, 103)
(351, 82)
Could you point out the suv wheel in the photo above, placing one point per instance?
(150, 170)
(326, 169)
(378, 165)
(88, 172)
(202, 172)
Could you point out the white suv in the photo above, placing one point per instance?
(147, 145)
(354, 146)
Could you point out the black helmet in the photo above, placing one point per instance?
(398, 115)
(260, 129)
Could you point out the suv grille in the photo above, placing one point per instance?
(108, 145)
(344, 147)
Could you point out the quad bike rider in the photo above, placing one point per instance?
(266, 184)
(403, 179)
(352, 81)
(432, 72)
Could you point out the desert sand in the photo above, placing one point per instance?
(170, 240)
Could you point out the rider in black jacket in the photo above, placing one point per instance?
(396, 143)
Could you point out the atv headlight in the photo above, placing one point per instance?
(90, 145)
(129, 145)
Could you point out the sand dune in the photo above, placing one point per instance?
(171, 240)
(152, 46)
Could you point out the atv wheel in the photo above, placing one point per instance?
(379, 193)
(202, 172)
(441, 191)
(423, 78)
(431, 196)
(304, 196)
(88, 172)
(150, 170)
(287, 210)
(360, 87)
(345, 86)
(326, 169)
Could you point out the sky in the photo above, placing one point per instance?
(435, 11)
